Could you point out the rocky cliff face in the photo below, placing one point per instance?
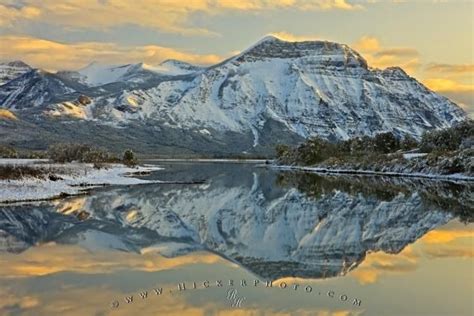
(273, 91)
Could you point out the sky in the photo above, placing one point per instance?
(433, 40)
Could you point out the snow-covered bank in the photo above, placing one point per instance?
(70, 179)
(454, 177)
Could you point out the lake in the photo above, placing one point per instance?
(247, 240)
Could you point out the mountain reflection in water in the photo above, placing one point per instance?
(275, 225)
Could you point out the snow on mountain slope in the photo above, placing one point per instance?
(313, 88)
(12, 70)
(298, 89)
(96, 74)
(175, 67)
(33, 89)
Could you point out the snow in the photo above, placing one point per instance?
(173, 67)
(96, 74)
(413, 155)
(74, 175)
(454, 177)
(313, 88)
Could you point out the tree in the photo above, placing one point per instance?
(129, 158)
(386, 143)
(408, 142)
(282, 150)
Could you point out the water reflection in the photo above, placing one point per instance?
(280, 226)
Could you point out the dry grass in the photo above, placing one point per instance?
(16, 172)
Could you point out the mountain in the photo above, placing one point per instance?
(273, 92)
(176, 67)
(96, 74)
(12, 70)
(32, 89)
(242, 216)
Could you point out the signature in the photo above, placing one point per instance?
(234, 298)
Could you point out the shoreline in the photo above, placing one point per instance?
(321, 170)
(72, 179)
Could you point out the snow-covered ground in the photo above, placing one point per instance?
(414, 155)
(454, 177)
(74, 177)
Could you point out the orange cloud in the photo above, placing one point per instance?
(38, 52)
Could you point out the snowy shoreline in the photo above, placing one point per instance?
(73, 179)
(451, 177)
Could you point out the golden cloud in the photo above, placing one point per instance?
(447, 85)
(9, 14)
(38, 52)
(397, 52)
(166, 15)
(382, 57)
(450, 68)
(286, 36)
(52, 258)
(367, 44)
(380, 263)
(445, 236)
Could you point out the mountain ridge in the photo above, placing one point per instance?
(294, 90)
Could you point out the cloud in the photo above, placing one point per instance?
(367, 44)
(461, 93)
(379, 263)
(166, 15)
(447, 85)
(292, 37)
(397, 52)
(450, 68)
(382, 57)
(38, 52)
(9, 14)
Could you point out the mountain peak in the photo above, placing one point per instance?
(17, 64)
(319, 52)
(12, 70)
(176, 67)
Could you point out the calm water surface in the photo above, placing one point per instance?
(328, 245)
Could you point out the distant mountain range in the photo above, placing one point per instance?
(273, 92)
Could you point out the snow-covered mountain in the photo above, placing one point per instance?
(274, 91)
(12, 70)
(242, 216)
(95, 74)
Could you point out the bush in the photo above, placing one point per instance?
(8, 152)
(408, 143)
(316, 150)
(14, 172)
(386, 143)
(448, 139)
(282, 150)
(78, 152)
(129, 158)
